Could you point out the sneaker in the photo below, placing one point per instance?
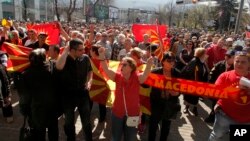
(210, 118)
(195, 111)
(141, 128)
(9, 119)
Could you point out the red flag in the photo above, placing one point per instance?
(140, 29)
(52, 29)
(163, 43)
(18, 59)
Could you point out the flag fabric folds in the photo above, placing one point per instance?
(51, 29)
(18, 56)
(140, 29)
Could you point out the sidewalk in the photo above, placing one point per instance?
(184, 128)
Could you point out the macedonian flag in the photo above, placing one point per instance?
(51, 29)
(18, 59)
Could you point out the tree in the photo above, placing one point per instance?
(56, 10)
(25, 10)
(71, 9)
(225, 10)
(167, 12)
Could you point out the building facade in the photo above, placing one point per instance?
(37, 10)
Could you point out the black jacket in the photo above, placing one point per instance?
(5, 85)
(38, 97)
(218, 68)
(166, 107)
(195, 70)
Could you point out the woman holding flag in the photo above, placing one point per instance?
(126, 104)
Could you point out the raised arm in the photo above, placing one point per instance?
(63, 32)
(110, 73)
(60, 63)
(143, 76)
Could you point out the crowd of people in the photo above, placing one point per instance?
(56, 84)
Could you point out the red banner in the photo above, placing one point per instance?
(197, 88)
(51, 29)
(140, 29)
(18, 59)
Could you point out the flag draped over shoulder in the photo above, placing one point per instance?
(140, 29)
(18, 59)
(52, 29)
(102, 89)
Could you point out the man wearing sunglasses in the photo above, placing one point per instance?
(75, 78)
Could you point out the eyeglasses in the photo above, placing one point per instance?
(194, 38)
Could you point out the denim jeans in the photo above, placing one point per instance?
(119, 128)
(81, 101)
(221, 126)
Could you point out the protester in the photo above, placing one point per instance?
(195, 70)
(41, 43)
(126, 102)
(38, 100)
(216, 53)
(186, 55)
(228, 112)
(76, 75)
(220, 67)
(164, 103)
(5, 95)
(143, 45)
(95, 60)
(118, 46)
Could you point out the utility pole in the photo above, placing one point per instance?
(239, 17)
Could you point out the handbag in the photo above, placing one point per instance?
(131, 121)
(25, 133)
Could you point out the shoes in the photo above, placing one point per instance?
(141, 128)
(186, 109)
(195, 111)
(9, 119)
(210, 118)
